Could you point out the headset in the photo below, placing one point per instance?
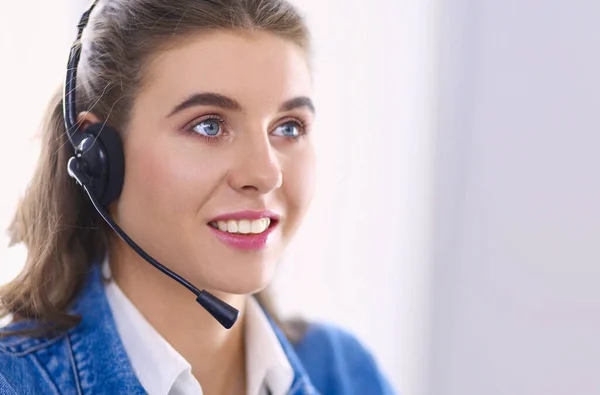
(98, 166)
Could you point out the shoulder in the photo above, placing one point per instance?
(26, 363)
(338, 363)
(12, 370)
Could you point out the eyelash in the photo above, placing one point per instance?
(224, 133)
(215, 139)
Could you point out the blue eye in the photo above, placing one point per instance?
(288, 129)
(208, 127)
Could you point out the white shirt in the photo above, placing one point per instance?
(162, 370)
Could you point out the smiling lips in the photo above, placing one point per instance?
(247, 230)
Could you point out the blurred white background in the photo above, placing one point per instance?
(455, 223)
(516, 270)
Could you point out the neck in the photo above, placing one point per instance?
(216, 354)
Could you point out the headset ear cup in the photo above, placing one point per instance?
(112, 146)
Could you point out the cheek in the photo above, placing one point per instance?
(167, 182)
(299, 184)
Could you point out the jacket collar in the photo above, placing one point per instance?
(100, 357)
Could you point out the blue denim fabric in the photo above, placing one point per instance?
(90, 358)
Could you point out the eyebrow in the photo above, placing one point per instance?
(227, 103)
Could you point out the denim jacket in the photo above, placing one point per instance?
(90, 358)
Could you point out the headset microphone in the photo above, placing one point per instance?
(99, 167)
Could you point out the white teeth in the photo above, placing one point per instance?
(244, 226)
(232, 226)
(263, 224)
(258, 226)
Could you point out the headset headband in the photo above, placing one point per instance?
(70, 88)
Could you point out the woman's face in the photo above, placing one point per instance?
(219, 145)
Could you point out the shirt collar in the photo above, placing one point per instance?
(265, 357)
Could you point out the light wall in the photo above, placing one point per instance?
(517, 220)
(33, 53)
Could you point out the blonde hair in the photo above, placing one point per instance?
(60, 228)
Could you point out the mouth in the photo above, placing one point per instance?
(245, 230)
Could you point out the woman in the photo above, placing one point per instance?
(209, 102)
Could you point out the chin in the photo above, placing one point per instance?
(240, 289)
(246, 287)
(246, 281)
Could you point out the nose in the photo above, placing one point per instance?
(256, 169)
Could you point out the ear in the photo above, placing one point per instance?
(85, 119)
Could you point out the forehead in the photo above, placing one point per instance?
(256, 68)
